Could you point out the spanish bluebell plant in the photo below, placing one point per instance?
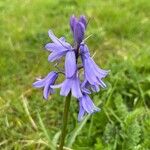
(79, 85)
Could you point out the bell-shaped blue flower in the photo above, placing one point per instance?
(86, 106)
(58, 48)
(70, 85)
(46, 84)
(93, 74)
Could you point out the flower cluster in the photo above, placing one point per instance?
(79, 84)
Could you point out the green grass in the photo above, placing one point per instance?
(120, 37)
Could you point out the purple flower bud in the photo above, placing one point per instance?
(78, 28)
(73, 21)
(79, 32)
(83, 20)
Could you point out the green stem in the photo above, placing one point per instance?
(65, 121)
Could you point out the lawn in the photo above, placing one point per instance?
(120, 40)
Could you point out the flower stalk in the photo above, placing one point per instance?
(65, 121)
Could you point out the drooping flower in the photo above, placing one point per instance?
(46, 83)
(70, 85)
(86, 106)
(93, 74)
(58, 48)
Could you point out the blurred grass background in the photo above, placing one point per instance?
(120, 37)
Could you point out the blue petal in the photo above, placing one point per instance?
(81, 111)
(103, 85)
(84, 51)
(85, 87)
(73, 21)
(47, 90)
(66, 86)
(102, 73)
(88, 105)
(92, 73)
(46, 83)
(83, 20)
(91, 104)
(89, 73)
(53, 78)
(54, 38)
(85, 105)
(95, 88)
(87, 91)
(40, 83)
(58, 41)
(62, 39)
(70, 64)
(75, 89)
(56, 55)
(56, 86)
(49, 81)
(54, 47)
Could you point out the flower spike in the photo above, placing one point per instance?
(80, 79)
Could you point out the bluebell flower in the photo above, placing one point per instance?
(86, 106)
(46, 83)
(70, 85)
(93, 74)
(58, 48)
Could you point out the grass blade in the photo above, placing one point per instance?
(51, 145)
(76, 131)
